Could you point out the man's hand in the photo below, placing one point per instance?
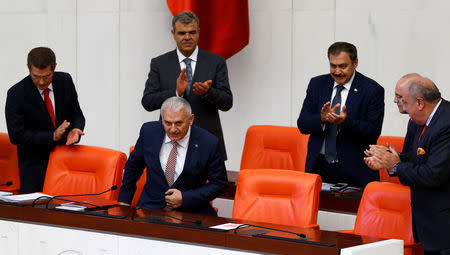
(380, 156)
(60, 130)
(325, 113)
(338, 119)
(174, 198)
(201, 88)
(182, 82)
(74, 136)
(122, 203)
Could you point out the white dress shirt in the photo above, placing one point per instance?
(181, 155)
(193, 58)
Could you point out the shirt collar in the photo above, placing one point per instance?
(433, 112)
(193, 56)
(41, 91)
(348, 84)
(182, 142)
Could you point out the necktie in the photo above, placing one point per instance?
(49, 105)
(331, 130)
(423, 131)
(171, 162)
(187, 61)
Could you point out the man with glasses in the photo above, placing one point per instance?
(42, 111)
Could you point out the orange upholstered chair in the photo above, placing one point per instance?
(274, 147)
(397, 143)
(81, 169)
(385, 212)
(9, 169)
(139, 184)
(283, 197)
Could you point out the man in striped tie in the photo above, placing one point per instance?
(185, 169)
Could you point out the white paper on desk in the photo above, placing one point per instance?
(23, 197)
(327, 186)
(5, 193)
(71, 206)
(227, 226)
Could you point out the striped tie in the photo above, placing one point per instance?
(187, 61)
(171, 162)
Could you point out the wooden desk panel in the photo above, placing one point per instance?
(126, 226)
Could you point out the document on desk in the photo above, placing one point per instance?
(23, 198)
(5, 193)
(227, 226)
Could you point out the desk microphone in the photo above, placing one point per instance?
(196, 222)
(8, 183)
(60, 197)
(275, 229)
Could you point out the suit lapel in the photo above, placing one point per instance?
(37, 101)
(198, 66)
(353, 98)
(175, 62)
(191, 153)
(57, 87)
(327, 91)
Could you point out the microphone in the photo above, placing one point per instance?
(60, 197)
(275, 229)
(8, 183)
(196, 222)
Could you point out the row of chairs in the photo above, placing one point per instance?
(280, 147)
(263, 193)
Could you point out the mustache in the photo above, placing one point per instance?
(339, 75)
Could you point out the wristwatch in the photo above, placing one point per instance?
(394, 171)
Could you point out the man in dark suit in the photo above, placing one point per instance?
(185, 169)
(426, 168)
(42, 110)
(343, 113)
(201, 77)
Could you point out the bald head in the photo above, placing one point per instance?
(420, 97)
(404, 81)
(424, 88)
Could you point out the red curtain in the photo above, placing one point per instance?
(224, 25)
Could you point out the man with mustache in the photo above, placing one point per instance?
(185, 169)
(199, 76)
(343, 113)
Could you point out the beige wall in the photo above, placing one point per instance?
(107, 45)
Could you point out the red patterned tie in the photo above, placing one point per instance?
(423, 131)
(171, 162)
(48, 103)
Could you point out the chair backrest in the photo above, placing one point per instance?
(385, 212)
(139, 184)
(397, 143)
(82, 169)
(283, 197)
(9, 169)
(274, 147)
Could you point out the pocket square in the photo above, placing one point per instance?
(420, 151)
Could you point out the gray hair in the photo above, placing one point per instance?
(175, 104)
(424, 88)
(185, 17)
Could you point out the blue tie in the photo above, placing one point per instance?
(331, 130)
(187, 61)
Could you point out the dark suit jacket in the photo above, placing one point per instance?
(203, 163)
(365, 112)
(428, 175)
(31, 129)
(162, 83)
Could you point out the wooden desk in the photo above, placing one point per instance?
(199, 236)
